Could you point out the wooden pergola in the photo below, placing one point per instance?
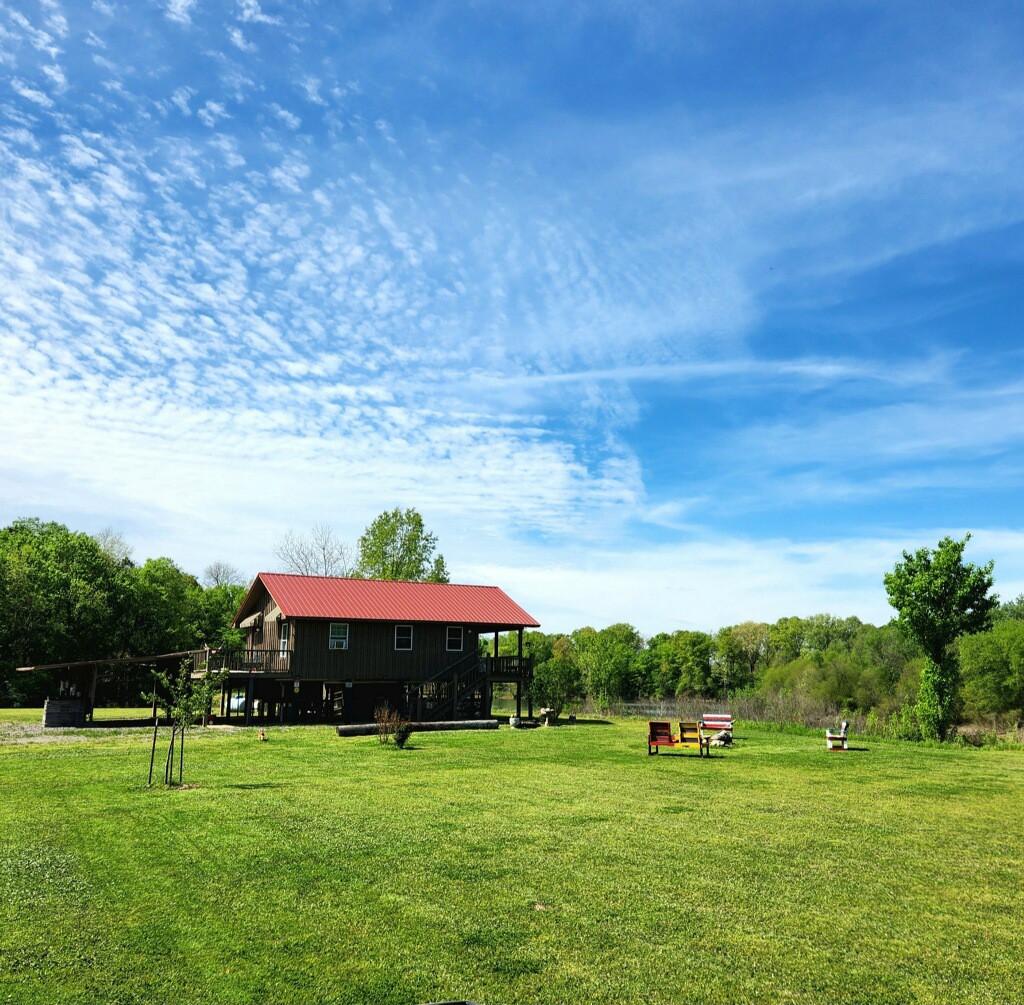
(75, 700)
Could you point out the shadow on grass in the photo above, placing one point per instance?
(253, 785)
(694, 757)
(585, 722)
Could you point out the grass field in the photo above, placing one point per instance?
(552, 865)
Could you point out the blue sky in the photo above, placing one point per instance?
(680, 314)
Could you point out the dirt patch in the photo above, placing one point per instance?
(35, 732)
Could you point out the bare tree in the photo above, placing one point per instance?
(113, 544)
(322, 553)
(221, 574)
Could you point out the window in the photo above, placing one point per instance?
(454, 643)
(338, 636)
(403, 638)
(286, 634)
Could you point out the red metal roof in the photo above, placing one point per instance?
(377, 600)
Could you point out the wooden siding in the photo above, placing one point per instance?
(270, 638)
(371, 654)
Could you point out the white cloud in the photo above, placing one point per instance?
(475, 323)
(290, 174)
(79, 155)
(30, 93)
(180, 10)
(311, 88)
(211, 113)
(250, 11)
(56, 77)
(707, 583)
(240, 42)
(293, 122)
(181, 98)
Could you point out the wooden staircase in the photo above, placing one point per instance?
(460, 691)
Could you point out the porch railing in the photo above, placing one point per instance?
(510, 667)
(252, 661)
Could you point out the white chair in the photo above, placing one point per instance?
(836, 740)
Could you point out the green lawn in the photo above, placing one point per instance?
(552, 865)
(35, 715)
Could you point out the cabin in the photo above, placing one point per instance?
(321, 648)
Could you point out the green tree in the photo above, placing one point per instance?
(167, 609)
(217, 607)
(535, 644)
(751, 641)
(608, 661)
(680, 664)
(939, 598)
(693, 651)
(397, 546)
(186, 699)
(823, 631)
(557, 680)
(992, 664)
(1010, 609)
(730, 662)
(64, 599)
(786, 640)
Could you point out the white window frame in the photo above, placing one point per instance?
(448, 639)
(337, 642)
(284, 637)
(403, 649)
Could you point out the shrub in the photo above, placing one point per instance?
(402, 733)
(387, 720)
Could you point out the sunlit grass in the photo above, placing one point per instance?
(552, 865)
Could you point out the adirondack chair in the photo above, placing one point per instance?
(836, 740)
(691, 734)
(659, 734)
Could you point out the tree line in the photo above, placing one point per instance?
(953, 652)
(838, 662)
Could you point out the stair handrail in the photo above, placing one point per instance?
(444, 676)
(447, 671)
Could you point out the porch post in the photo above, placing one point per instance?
(519, 675)
(248, 699)
(92, 692)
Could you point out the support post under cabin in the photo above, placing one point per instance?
(92, 692)
(248, 699)
(494, 661)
